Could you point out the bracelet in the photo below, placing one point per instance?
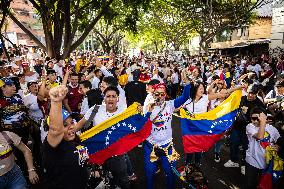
(30, 170)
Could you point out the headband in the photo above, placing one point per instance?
(159, 86)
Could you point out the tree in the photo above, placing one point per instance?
(163, 27)
(108, 35)
(62, 20)
(4, 4)
(212, 17)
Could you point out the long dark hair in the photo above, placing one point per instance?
(194, 88)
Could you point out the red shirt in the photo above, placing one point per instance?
(74, 98)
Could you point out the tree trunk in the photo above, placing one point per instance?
(28, 32)
(4, 48)
(156, 46)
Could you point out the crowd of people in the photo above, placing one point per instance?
(45, 103)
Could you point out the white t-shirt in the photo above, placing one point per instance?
(161, 133)
(256, 68)
(84, 106)
(255, 154)
(58, 70)
(31, 103)
(197, 107)
(148, 100)
(122, 99)
(33, 77)
(102, 115)
(95, 83)
(175, 78)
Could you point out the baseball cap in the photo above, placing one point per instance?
(65, 115)
(6, 81)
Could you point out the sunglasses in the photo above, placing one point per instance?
(162, 94)
(254, 118)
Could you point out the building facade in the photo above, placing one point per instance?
(277, 30)
(253, 40)
(25, 13)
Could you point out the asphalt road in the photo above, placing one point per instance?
(218, 176)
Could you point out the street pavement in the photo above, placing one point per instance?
(218, 176)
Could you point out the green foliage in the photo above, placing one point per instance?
(162, 27)
(212, 17)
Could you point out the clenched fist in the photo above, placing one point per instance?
(58, 93)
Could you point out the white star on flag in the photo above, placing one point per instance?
(129, 126)
(107, 143)
(210, 131)
(109, 132)
(118, 125)
(107, 137)
(134, 129)
(124, 124)
(220, 121)
(113, 128)
(212, 126)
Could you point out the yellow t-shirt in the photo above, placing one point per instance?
(53, 84)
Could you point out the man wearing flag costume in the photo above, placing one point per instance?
(159, 145)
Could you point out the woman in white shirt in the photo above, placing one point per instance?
(199, 103)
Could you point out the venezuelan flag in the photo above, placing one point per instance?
(274, 164)
(200, 132)
(116, 135)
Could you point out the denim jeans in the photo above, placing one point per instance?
(152, 167)
(14, 179)
(217, 146)
(237, 139)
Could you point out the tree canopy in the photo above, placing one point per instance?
(66, 23)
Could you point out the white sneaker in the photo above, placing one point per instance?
(231, 164)
(243, 170)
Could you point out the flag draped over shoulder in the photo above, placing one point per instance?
(116, 135)
(200, 132)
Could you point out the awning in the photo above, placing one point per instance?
(259, 41)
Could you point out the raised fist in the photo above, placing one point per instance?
(58, 93)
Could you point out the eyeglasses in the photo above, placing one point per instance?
(162, 94)
(254, 118)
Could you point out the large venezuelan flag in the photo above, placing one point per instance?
(116, 135)
(200, 132)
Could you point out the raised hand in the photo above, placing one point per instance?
(58, 93)
(262, 118)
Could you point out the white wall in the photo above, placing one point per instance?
(277, 31)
